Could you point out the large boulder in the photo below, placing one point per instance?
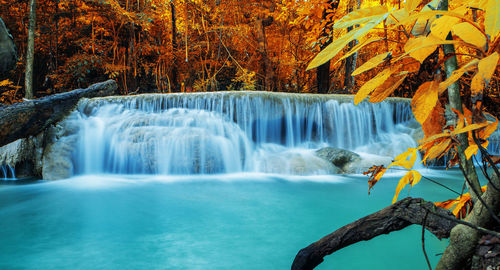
(341, 158)
(8, 51)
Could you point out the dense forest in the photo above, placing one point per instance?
(189, 46)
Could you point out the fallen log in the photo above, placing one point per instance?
(31, 117)
(392, 218)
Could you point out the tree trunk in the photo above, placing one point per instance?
(30, 52)
(29, 118)
(392, 218)
(463, 240)
(323, 71)
(323, 77)
(173, 80)
(266, 63)
(350, 62)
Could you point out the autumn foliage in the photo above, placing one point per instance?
(427, 30)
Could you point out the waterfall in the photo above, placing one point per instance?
(229, 132)
(7, 172)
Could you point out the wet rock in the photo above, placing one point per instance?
(24, 155)
(8, 51)
(57, 159)
(487, 255)
(341, 158)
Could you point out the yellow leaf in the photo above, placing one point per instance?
(471, 150)
(419, 48)
(491, 20)
(411, 5)
(427, 14)
(434, 137)
(468, 128)
(463, 200)
(397, 16)
(403, 161)
(370, 85)
(437, 150)
(333, 49)
(486, 68)
(373, 62)
(490, 128)
(423, 24)
(381, 93)
(358, 47)
(412, 177)
(361, 16)
(424, 100)
(457, 74)
(470, 34)
(442, 26)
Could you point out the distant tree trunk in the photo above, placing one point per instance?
(323, 71)
(266, 64)
(173, 79)
(30, 52)
(323, 77)
(350, 62)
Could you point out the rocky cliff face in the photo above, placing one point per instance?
(8, 51)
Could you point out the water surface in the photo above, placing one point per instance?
(239, 221)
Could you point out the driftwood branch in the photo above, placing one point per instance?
(31, 117)
(392, 218)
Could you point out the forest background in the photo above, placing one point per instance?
(193, 45)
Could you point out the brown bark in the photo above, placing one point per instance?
(31, 117)
(392, 218)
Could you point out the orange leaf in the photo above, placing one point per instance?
(370, 85)
(403, 161)
(424, 100)
(373, 62)
(470, 34)
(411, 178)
(491, 20)
(486, 68)
(441, 27)
(455, 75)
(437, 150)
(382, 92)
(435, 122)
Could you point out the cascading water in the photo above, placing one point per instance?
(7, 172)
(228, 132)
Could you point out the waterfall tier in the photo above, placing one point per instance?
(227, 132)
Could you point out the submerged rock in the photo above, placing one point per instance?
(341, 158)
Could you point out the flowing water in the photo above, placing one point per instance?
(213, 181)
(231, 132)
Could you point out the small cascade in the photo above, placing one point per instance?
(7, 172)
(226, 132)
